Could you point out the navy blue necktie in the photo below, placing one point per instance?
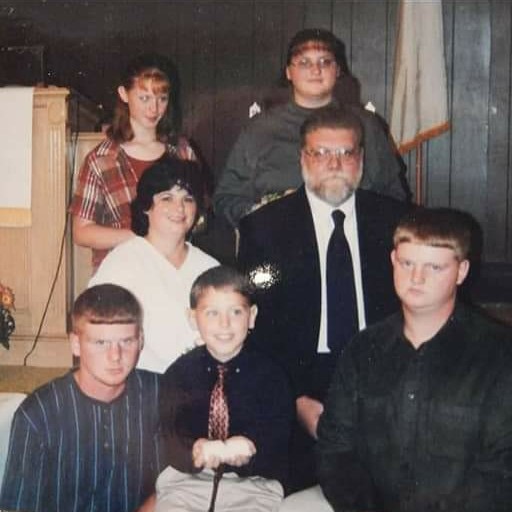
(342, 321)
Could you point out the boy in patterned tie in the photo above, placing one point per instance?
(225, 409)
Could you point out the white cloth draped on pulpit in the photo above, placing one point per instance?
(16, 108)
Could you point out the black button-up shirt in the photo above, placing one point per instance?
(421, 430)
(260, 408)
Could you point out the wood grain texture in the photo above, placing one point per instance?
(230, 53)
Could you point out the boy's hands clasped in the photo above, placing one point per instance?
(210, 454)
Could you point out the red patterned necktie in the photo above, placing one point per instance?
(218, 421)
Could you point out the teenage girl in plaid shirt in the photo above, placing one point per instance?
(140, 134)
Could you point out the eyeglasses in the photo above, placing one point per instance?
(305, 64)
(101, 345)
(324, 155)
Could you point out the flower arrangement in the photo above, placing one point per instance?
(7, 324)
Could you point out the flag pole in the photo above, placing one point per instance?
(419, 174)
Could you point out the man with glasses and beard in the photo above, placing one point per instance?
(320, 260)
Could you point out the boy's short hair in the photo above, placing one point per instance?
(107, 304)
(335, 118)
(325, 40)
(220, 277)
(437, 227)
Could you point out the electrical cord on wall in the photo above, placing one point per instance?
(71, 163)
(52, 289)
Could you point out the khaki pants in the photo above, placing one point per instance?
(183, 492)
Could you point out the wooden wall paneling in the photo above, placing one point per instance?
(80, 50)
(348, 87)
(131, 28)
(116, 52)
(268, 61)
(165, 25)
(88, 44)
(471, 61)
(67, 49)
(199, 107)
(508, 170)
(369, 51)
(152, 19)
(293, 21)
(391, 33)
(137, 22)
(342, 25)
(25, 27)
(233, 56)
(438, 150)
(496, 222)
(14, 26)
(185, 51)
(42, 32)
(318, 14)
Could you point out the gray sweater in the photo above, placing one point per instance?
(265, 160)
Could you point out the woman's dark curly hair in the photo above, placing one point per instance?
(163, 175)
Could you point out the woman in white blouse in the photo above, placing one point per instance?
(159, 265)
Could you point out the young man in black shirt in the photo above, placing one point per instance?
(419, 414)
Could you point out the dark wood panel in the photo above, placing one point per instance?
(342, 25)
(169, 24)
(471, 61)
(266, 53)
(230, 53)
(233, 73)
(199, 107)
(369, 51)
(184, 42)
(109, 59)
(391, 28)
(496, 223)
(318, 14)
(293, 21)
(438, 150)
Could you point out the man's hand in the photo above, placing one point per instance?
(309, 411)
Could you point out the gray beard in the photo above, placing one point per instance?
(334, 195)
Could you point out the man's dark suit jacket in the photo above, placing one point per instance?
(278, 242)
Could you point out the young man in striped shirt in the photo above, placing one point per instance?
(87, 441)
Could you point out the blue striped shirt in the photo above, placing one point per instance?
(71, 453)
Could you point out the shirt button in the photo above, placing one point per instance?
(106, 446)
(411, 396)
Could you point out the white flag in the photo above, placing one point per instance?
(419, 107)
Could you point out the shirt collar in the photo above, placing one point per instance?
(232, 364)
(321, 209)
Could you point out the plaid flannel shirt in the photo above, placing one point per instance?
(106, 184)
